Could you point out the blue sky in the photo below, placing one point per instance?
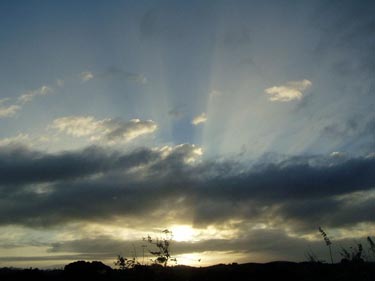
(213, 91)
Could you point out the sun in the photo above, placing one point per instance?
(183, 233)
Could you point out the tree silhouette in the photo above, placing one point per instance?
(162, 253)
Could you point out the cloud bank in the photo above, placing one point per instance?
(173, 184)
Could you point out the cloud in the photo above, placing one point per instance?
(30, 95)
(202, 118)
(263, 245)
(9, 111)
(290, 91)
(268, 244)
(175, 185)
(274, 242)
(27, 140)
(337, 154)
(119, 129)
(24, 166)
(78, 126)
(255, 241)
(185, 153)
(110, 130)
(20, 138)
(86, 76)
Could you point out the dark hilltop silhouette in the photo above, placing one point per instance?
(82, 270)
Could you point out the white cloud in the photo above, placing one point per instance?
(12, 109)
(9, 111)
(77, 126)
(292, 90)
(86, 76)
(26, 140)
(337, 154)
(199, 119)
(20, 138)
(30, 95)
(109, 130)
(190, 153)
(119, 129)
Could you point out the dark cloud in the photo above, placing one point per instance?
(20, 165)
(306, 215)
(63, 258)
(152, 185)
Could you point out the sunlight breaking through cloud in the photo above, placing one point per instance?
(240, 126)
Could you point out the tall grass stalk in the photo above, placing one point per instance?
(327, 241)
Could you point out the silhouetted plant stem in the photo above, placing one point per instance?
(327, 241)
(330, 253)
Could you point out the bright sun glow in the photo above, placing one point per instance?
(183, 233)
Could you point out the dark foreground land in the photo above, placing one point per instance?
(250, 271)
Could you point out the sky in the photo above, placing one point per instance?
(241, 126)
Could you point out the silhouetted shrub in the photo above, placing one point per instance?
(162, 252)
(83, 268)
(354, 256)
(125, 263)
